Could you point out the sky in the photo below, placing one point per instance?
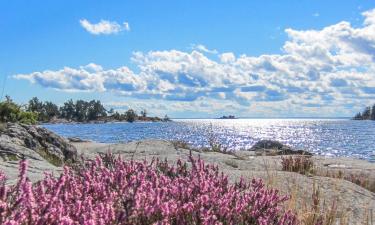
(193, 59)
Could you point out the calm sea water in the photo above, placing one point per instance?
(331, 137)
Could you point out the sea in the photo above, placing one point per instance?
(328, 137)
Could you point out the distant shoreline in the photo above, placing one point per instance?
(177, 119)
(265, 118)
(99, 122)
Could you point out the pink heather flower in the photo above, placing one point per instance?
(109, 190)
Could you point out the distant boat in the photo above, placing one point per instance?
(228, 117)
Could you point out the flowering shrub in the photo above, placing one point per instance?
(109, 190)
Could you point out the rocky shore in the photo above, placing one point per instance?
(47, 152)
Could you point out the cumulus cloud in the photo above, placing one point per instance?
(326, 69)
(104, 27)
(227, 57)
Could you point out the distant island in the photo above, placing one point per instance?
(228, 117)
(367, 114)
(79, 111)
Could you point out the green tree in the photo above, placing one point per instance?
(130, 115)
(116, 116)
(35, 105)
(95, 110)
(358, 116)
(80, 112)
(366, 114)
(68, 110)
(50, 110)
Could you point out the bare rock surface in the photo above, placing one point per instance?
(270, 147)
(44, 150)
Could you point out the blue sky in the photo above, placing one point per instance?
(193, 58)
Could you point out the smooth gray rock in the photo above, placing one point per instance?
(77, 139)
(269, 147)
(34, 142)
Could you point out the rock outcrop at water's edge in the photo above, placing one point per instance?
(45, 150)
(269, 148)
(14, 138)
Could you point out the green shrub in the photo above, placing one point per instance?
(11, 112)
(27, 117)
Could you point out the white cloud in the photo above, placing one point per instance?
(227, 57)
(203, 48)
(104, 27)
(327, 69)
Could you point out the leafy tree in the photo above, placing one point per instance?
(116, 116)
(50, 110)
(95, 110)
(11, 112)
(358, 116)
(80, 113)
(130, 115)
(68, 110)
(366, 114)
(35, 105)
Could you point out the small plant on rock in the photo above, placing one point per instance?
(299, 164)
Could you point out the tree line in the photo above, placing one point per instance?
(367, 114)
(75, 111)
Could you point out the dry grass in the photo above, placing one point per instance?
(181, 144)
(305, 165)
(359, 178)
(299, 164)
(311, 206)
(214, 146)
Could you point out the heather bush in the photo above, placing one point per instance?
(109, 190)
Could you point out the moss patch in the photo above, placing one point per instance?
(54, 160)
(9, 157)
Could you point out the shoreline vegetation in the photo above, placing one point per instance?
(79, 111)
(289, 189)
(291, 186)
(367, 114)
